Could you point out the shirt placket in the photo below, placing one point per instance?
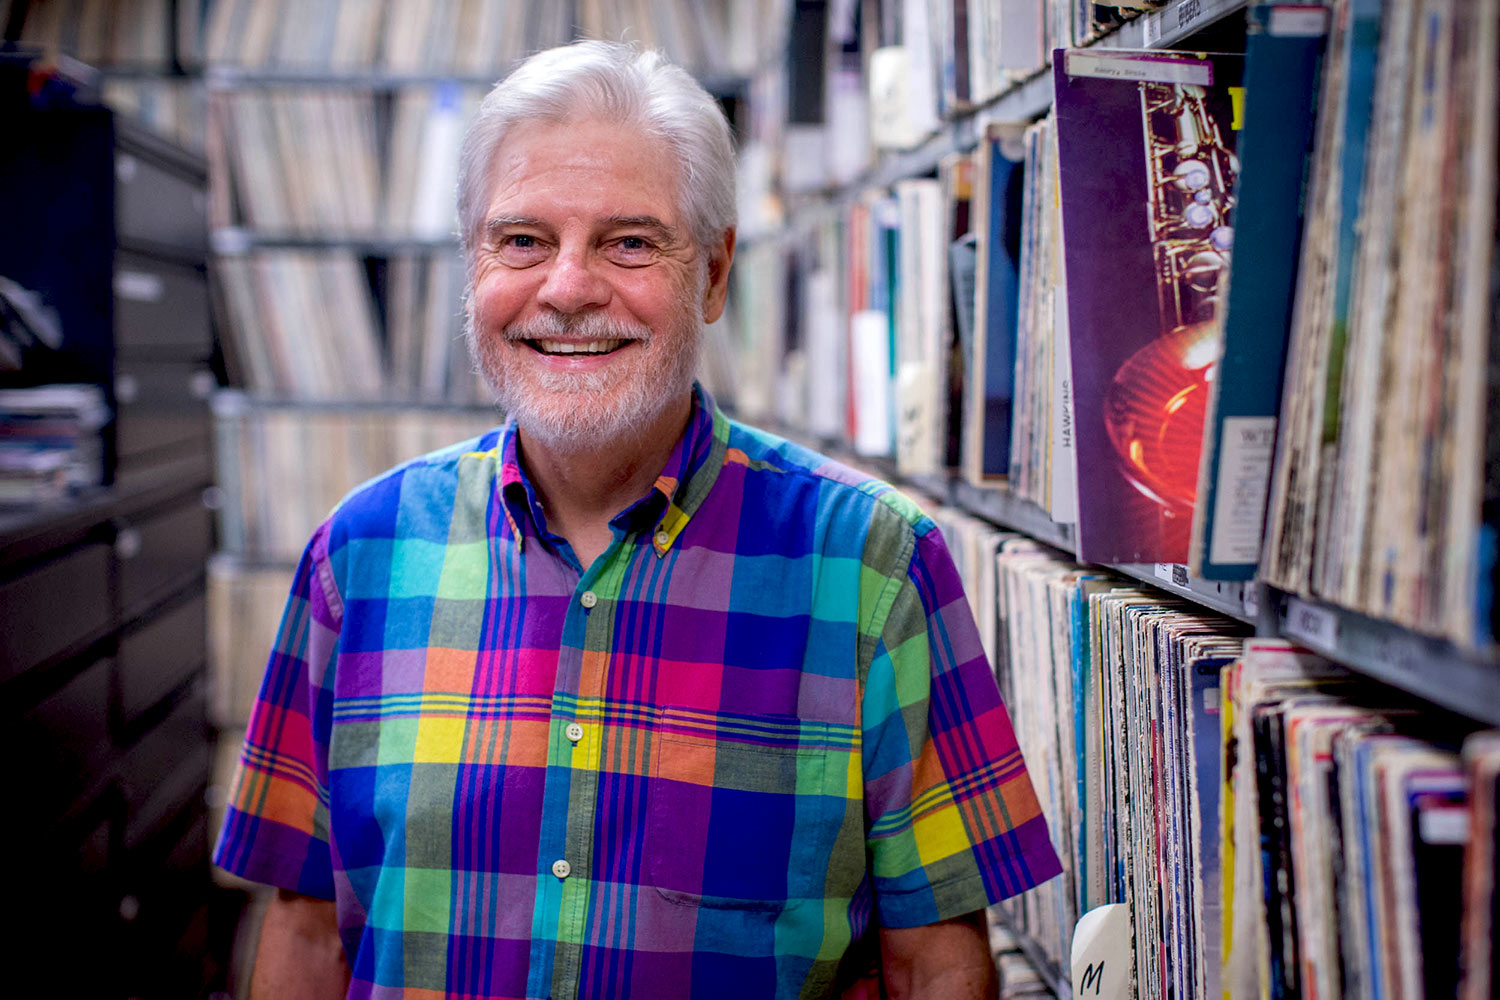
(574, 758)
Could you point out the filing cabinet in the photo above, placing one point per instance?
(159, 309)
(77, 580)
(103, 690)
(106, 223)
(162, 337)
(102, 631)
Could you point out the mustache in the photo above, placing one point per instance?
(586, 326)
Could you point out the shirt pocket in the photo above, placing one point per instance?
(743, 819)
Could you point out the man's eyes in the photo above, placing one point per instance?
(518, 241)
(526, 248)
(519, 249)
(630, 250)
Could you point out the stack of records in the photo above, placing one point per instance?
(50, 441)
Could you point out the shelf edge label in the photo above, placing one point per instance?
(1311, 624)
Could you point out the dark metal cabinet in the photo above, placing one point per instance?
(103, 695)
(55, 606)
(162, 337)
(102, 624)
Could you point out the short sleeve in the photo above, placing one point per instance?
(276, 823)
(953, 823)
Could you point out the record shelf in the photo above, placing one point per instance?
(1161, 29)
(1026, 99)
(1432, 669)
(1436, 671)
(234, 241)
(1001, 508)
(221, 77)
(1052, 977)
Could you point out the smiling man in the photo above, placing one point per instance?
(623, 699)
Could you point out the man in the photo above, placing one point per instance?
(623, 699)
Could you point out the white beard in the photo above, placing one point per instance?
(583, 410)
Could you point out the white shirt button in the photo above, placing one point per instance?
(588, 599)
(575, 732)
(561, 868)
(662, 538)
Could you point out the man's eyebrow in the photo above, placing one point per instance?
(501, 221)
(641, 222)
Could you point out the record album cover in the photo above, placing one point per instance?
(1146, 157)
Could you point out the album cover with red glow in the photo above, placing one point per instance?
(1147, 171)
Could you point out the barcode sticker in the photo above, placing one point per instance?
(1310, 624)
(1189, 12)
(1152, 32)
(1164, 572)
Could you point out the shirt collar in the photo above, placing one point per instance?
(685, 480)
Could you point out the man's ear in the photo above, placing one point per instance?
(719, 259)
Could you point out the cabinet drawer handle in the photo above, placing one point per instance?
(128, 543)
(127, 388)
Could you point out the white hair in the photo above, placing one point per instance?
(617, 82)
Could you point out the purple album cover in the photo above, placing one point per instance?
(1147, 169)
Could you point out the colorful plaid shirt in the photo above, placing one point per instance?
(758, 725)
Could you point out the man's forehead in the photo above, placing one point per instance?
(611, 172)
(584, 134)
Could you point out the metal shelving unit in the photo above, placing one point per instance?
(220, 77)
(1027, 98)
(1231, 599)
(1007, 510)
(1458, 679)
(1054, 978)
(1461, 680)
(1162, 29)
(233, 241)
(1032, 96)
(237, 402)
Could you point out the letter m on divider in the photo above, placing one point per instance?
(1092, 976)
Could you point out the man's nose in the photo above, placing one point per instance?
(573, 282)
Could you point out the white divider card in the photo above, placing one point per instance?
(1146, 67)
(891, 124)
(1252, 599)
(872, 374)
(1101, 954)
